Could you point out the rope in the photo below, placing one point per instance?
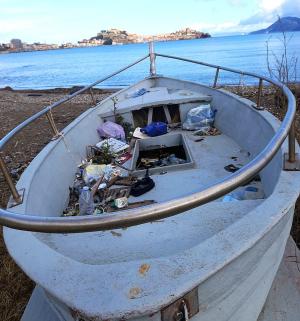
(72, 154)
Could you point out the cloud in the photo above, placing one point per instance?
(214, 27)
(258, 18)
(267, 13)
(269, 10)
(290, 8)
(228, 27)
(270, 5)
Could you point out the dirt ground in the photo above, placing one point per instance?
(15, 286)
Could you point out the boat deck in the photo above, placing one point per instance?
(157, 239)
(210, 156)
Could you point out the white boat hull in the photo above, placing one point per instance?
(229, 251)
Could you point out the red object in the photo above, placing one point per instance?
(123, 158)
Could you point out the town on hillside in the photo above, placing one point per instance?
(104, 37)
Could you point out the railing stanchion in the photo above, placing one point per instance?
(258, 102)
(216, 78)
(15, 194)
(291, 158)
(52, 124)
(152, 59)
(93, 97)
(292, 153)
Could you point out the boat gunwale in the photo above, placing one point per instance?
(161, 210)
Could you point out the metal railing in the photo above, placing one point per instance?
(150, 213)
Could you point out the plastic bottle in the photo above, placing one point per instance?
(86, 202)
(247, 193)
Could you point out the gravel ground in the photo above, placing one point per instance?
(16, 106)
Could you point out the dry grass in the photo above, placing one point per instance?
(15, 286)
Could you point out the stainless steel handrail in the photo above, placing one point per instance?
(29, 120)
(158, 211)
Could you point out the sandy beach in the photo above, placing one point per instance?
(16, 106)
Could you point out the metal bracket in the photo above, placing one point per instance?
(55, 137)
(13, 203)
(182, 309)
(291, 166)
(154, 76)
(257, 107)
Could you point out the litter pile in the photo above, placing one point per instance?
(102, 184)
(161, 157)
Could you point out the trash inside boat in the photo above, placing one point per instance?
(169, 200)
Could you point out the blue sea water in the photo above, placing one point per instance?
(81, 66)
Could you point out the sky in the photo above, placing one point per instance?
(60, 21)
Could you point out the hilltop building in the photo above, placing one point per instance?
(116, 36)
(16, 44)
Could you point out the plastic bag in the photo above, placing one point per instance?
(155, 129)
(93, 172)
(111, 130)
(137, 93)
(201, 117)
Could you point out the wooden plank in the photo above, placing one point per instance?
(150, 115)
(167, 113)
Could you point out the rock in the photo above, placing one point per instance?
(74, 89)
(107, 42)
(7, 88)
(7, 159)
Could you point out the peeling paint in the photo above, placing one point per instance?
(134, 293)
(144, 268)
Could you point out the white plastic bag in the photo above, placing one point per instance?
(201, 117)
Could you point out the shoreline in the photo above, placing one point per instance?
(143, 42)
(91, 46)
(104, 90)
(59, 90)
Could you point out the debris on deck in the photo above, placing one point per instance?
(104, 183)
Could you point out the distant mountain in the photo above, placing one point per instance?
(282, 24)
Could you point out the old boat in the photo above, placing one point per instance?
(190, 255)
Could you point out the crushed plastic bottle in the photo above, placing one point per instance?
(86, 202)
(245, 193)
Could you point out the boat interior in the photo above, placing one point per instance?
(209, 159)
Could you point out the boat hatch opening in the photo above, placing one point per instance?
(163, 153)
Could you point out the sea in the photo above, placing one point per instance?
(82, 66)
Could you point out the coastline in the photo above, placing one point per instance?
(58, 90)
(102, 45)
